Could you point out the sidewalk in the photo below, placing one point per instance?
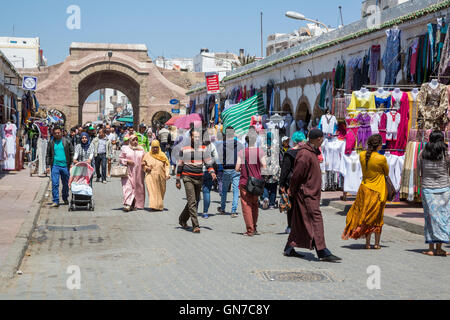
(405, 215)
(20, 198)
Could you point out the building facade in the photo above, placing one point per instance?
(179, 64)
(207, 61)
(23, 52)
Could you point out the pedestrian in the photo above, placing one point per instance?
(133, 184)
(287, 169)
(366, 214)
(228, 158)
(249, 163)
(157, 172)
(143, 137)
(59, 158)
(192, 157)
(164, 138)
(271, 177)
(74, 138)
(307, 229)
(102, 152)
(434, 166)
(84, 151)
(112, 137)
(207, 178)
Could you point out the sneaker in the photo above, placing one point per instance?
(205, 216)
(54, 205)
(220, 211)
(271, 207)
(97, 180)
(234, 215)
(265, 204)
(104, 182)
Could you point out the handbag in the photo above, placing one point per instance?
(119, 171)
(390, 189)
(254, 186)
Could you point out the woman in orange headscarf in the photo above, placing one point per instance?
(157, 172)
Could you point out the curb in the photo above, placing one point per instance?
(391, 221)
(21, 241)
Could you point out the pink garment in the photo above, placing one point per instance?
(256, 121)
(382, 127)
(414, 54)
(350, 140)
(133, 185)
(402, 131)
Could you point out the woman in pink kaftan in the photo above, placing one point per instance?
(133, 185)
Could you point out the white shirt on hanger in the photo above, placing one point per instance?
(395, 164)
(393, 120)
(328, 123)
(333, 150)
(374, 122)
(351, 170)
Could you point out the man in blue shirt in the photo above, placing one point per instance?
(59, 158)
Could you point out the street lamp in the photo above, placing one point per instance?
(299, 16)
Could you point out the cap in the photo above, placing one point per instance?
(284, 139)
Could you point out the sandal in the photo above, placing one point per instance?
(441, 253)
(368, 247)
(377, 247)
(428, 253)
(247, 234)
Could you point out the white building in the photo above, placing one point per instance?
(207, 61)
(281, 41)
(114, 101)
(23, 52)
(180, 64)
(368, 6)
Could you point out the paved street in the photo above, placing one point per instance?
(145, 255)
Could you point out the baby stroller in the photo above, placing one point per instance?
(81, 187)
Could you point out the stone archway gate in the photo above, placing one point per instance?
(92, 66)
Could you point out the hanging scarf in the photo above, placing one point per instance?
(86, 145)
(161, 156)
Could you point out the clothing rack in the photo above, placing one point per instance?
(400, 86)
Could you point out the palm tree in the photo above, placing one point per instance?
(243, 60)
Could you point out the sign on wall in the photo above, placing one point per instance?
(212, 82)
(29, 83)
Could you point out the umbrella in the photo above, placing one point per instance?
(185, 122)
(172, 120)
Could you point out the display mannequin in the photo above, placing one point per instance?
(433, 84)
(328, 123)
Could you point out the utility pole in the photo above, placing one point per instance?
(340, 11)
(262, 52)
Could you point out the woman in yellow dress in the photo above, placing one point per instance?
(366, 214)
(157, 172)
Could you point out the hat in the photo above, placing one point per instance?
(142, 125)
(315, 134)
(91, 128)
(284, 139)
(298, 137)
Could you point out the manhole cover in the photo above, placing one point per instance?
(72, 228)
(296, 276)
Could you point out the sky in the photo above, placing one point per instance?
(173, 28)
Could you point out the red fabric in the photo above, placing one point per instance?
(382, 127)
(350, 140)
(253, 159)
(402, 131)
(249, 204)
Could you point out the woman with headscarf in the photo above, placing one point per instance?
(157, 171)
(133, 184)
(84, 151)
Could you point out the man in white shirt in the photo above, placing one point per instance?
(112, 137)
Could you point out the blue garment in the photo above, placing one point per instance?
(432, 29)
(230, 176)
(57, 172)
(270, 192)
(206, 189)
(383, 103)
(59, 154)
(436, 211)
(391, 58)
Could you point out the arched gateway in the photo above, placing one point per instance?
(92, 66)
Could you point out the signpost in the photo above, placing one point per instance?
(29, 83)
(212, 82)
(175, 110)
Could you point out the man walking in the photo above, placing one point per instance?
(59, 158)
(228, 155)
(190, 168)
(307, 223)
(164, 138)
(143, 137)
(102, 152)
(112, 137)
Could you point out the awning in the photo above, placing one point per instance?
(171, 121)
(239, 116)
(125, 119)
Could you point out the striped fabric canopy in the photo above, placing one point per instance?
(239, 116)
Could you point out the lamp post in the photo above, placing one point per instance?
(299, 16)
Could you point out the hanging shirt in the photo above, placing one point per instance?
(328, 124)
(362, 100)
(352, 172)
(395, 164)
(374, 122)
(393, 120)
(332, 151)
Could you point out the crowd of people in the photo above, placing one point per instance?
(228, 163)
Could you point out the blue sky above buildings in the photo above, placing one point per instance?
(170, 28)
